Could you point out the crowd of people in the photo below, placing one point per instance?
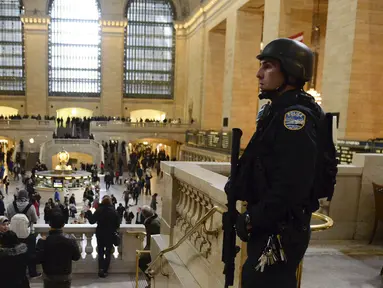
(84, 121)
(19, 246)
(17, 219)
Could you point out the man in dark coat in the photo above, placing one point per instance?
(152, 226)
(108, 223)
(57, 252)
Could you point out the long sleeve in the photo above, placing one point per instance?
(292, 172)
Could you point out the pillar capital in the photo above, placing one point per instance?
(33, 23)
(113, 26)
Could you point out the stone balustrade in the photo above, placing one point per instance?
(194, 154)
(191, 189)
(132, 239)
(27, 124)
(87, 146)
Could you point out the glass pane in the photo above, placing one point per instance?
(74, 48)
(149, 51)
(12, 76)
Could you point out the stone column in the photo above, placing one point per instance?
(36, 64)
(231, 28)
(244, 102)
(112, 63)
(180, 77)
(352, 67)
(215, 61)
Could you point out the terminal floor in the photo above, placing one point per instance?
(329, 264)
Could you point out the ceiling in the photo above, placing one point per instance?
(185, 7)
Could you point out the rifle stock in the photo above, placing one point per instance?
(229, 249)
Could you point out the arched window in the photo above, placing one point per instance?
(150, 46)
(12, 77)
(74, 48)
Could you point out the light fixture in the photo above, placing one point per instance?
(145, 143)
(74, 111)
(31, 140)
(316, 95)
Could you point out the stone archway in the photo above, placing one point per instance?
(73, 112)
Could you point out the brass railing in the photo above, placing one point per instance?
(189, 233)
(328, 223)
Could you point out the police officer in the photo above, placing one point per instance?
(277, 169)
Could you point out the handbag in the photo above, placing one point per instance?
(116, 238)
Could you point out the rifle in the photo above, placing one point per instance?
(229, 249)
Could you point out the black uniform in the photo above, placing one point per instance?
(276, 174)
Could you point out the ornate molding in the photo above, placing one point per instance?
(113, 23)
(193, 19)
(35, 20)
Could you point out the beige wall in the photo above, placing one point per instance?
(365, 109)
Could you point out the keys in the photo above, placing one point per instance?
(272, 254)
(281, 251)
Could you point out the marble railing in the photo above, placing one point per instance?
(193, 154)
(123, 260)
(27, 124)
(88, 146)
(192, 188)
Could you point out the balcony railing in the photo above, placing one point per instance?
(99, 125)
(27, 124)
(124, 260)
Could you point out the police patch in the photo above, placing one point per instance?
(294, 120)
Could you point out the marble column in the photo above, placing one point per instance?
(112, 63)
(36, 64)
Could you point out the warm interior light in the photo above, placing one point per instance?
(31, 140)
(316, 95)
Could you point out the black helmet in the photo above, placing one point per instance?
(295, 57)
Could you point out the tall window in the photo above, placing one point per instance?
(74, 48)
(12, 77)
(149, 63)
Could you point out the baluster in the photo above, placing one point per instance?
(79, 239)
(189, 207)
(180, 204)
(88, 247)
(186, 206)
(197, 213)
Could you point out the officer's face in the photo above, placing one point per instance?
(270, 75)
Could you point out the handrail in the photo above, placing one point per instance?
(138, 255)
(321, 227)
(200, 222)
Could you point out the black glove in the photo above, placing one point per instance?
(241, 226)
(227, 185)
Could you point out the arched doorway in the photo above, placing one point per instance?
(75, 159)
(6, 111)
(73, 112)
(147, 114)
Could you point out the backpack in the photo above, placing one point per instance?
(326, 162)
(20, 222)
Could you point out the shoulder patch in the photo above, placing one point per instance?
(294, 120)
